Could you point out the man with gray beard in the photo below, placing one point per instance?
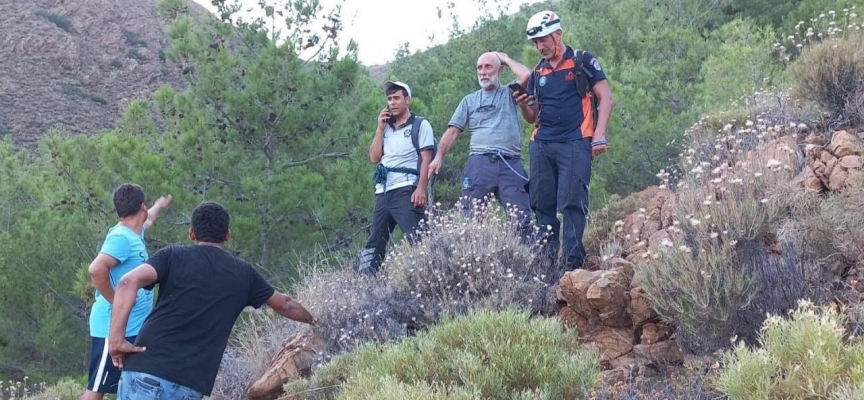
(494, 161)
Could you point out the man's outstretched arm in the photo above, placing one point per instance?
(124, 299)
(290, 308)
(161, 204)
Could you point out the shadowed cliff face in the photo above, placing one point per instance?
(74, 65)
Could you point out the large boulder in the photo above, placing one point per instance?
(609, 311)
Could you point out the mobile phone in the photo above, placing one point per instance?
(392, 117)
(517, 88)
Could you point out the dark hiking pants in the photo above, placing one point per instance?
(560, 175)
(393, 207)
(488, 175)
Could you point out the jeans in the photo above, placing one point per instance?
(392, 208)
(560, 175)
(141, 386)
(490, 175)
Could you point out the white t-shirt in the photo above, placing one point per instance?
(399, 151)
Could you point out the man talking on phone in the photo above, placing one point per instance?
(494, 165)
(570, 102)
(402, 148)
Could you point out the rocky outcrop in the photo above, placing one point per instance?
(74, 65)
(832, 166)
(609, 311)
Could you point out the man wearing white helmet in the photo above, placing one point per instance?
(569, 101)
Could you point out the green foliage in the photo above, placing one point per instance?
(742, 63)
(282, 142)
(832, 73)
(482, 355)
(714, 277)
(63, 22)
(803, 356)
(65, 389)
(276, 139)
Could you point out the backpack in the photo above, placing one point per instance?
(583, 84)
(415, 139)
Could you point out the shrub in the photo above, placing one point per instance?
(485, 354)
(67, 389)
(462, 263)
(804, 356)
(832, 73)
(723, 268)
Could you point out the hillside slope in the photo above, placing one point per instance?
(75, 64)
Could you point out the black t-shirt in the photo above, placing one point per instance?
(202, 290)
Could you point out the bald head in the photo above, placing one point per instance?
(488, 71)
(489, 58)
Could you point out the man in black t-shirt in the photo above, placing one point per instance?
(202, 290)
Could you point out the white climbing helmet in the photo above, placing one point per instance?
(542, 24)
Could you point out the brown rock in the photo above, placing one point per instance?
(850, 162)
(814, 139)
(656, 239)
(639, 310)
(648, 193)
(611, 343)
(634, 252)
(632, 230)
(844, 144)
(655, 333)
(573, 320)
(829, 168)
(573, 286)
(295, 360)
(669, 209)
(608, 296)
(815, 154)
(837, 181)
(622, 265)
(655, 206)
(809, 180)
(650, 227)
(814, 183)
(819, 169)
(662, 352)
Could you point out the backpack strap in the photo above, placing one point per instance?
(583, 82)
(536, 78)
(415, 139)
(415, 134)
(583, 76)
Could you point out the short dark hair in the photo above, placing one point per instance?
(128, 199)
(395, 89)
(210, 222)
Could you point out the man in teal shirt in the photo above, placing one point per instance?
(122, 251)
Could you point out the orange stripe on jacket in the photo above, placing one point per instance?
(587, 126)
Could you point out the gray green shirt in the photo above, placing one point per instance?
(493, 120)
